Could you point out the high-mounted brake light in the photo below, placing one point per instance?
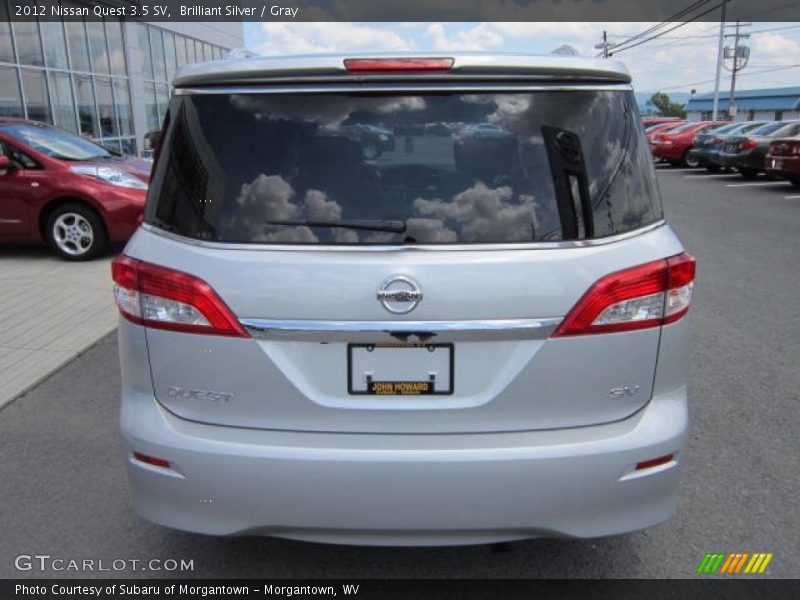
(382, 65)
(162, 298)
(648, 295)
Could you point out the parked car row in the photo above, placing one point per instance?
(750, 147)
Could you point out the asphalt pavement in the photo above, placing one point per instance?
(64, 491)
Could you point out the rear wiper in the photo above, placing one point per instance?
(376, 225)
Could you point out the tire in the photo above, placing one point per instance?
(76, 232)
(713, 168)
(748, 173)
(795, 181)
(690, 161)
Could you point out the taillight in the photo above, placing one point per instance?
(648, 295)
(747, 144)
(718, 141)
(163, 298)
(784, 148)
(378, 65)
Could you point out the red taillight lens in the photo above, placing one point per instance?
(784, 148)
(378, 65)
(162, 298)
(747, 144)
(718, 141)
(655, 462)
(648, 295)
(151, 460)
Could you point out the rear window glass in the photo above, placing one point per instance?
(369, 168)
(767, 129)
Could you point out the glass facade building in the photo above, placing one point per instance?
(108, 80)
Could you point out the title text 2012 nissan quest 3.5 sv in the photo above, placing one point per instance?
(404, 300)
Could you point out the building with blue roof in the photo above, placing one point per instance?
(768, 104)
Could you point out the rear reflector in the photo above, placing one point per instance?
(648, 295)
(654, 462)
(378, 65)
(162, 298)
(151, 460)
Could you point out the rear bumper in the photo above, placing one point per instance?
(787, 167)
(668, 152)
(705, 157)
(742, 160)
(405, 489)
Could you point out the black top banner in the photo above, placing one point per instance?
(408, 10)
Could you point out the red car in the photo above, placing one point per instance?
(649, 121)
(783, 160)
(673, 146)
(63, 189)
(651, 130)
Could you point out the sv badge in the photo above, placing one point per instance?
(626, 391)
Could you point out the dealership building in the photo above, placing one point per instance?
(108, 80)
(751, 105)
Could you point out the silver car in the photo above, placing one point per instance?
(475, 335)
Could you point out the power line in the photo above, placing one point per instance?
(679, 25)
(714, 35)
(672, 19)
(748, 74)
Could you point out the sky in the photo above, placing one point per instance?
(678, 61)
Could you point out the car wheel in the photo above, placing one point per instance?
(713, 168)
(370, 150)
(691, 161)
(76, 232)
(748, 173)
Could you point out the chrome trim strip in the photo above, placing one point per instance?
(339, 87)
(401, 248)
(499, 329)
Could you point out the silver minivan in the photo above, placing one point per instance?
(404, 300)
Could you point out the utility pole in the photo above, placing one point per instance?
(739, 57)
(604, 44)
(719, 60)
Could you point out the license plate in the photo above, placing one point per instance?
(400, 369)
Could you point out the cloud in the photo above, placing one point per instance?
(331, 113)
(319, 208)
(482, 214)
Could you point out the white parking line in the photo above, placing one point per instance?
(791, 197)
(752, 183)
(700, 176)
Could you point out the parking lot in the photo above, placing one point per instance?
(65, 492)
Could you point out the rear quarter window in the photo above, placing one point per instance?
(403, 168)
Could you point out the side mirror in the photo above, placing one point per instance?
(6, 165)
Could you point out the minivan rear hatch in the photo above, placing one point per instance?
(400, 258)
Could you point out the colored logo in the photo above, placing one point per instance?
(734, 562)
